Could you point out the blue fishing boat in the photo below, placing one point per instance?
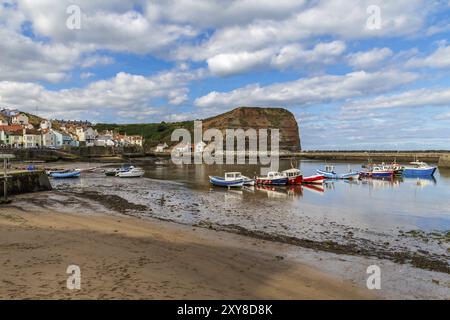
(273, 178)
(329, 173)
(419, 169)
(231, 180)
(378, 172)
(65, 174)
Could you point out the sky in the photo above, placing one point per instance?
(356, 74)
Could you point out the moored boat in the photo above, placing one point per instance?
(248, 181)
(67, 174)
(294, 176)
(273, 178)
(114, 172)
(378, 172)
(329, 173)
(132, 173)
(317, 179)
(231, 180)
(419, 169)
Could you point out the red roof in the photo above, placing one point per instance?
(13, 127)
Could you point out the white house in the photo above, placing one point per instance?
(32, 139)
(2, 137)
(90, 135)
(45, 125)
(20, 119)
(134, 140)
(3, 121)
(160, 147)
(49, 139)
(104, 140)
(80, 134)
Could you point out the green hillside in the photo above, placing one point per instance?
(153, 133)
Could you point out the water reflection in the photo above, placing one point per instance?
(406, 202)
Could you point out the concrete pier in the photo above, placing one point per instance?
(19, 182)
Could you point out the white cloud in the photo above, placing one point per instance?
(219, 13)
(322, 53)
(288, 37)
(309, 91)
(438, 59)
(408, 99)
(95, 60)
(231, 63)
(443, 116)
(113, 25)
(25, 60)
(369, 59)
(86, 75)
(124, 92)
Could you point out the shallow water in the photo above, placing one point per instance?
(404, 214)
(409, 203)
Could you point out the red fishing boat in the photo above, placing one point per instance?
(317, 179)
(294, 176)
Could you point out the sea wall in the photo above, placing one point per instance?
(26, 182)
(444, 161)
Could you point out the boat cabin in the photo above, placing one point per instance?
(230, 176)
(274, 175)
(329, 168)
(292, 173)
(419, 164)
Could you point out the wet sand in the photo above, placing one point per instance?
(129, 258)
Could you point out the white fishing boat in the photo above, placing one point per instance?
(248, 181)
(231, 180)
(132, 173)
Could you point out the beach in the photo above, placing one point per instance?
(128, 258)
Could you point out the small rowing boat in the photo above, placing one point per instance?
(231, 180)
(132, 173)
(273, 178)
(114, 172)
(68, 174)
(329, 173)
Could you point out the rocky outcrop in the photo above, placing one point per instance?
(260, 118)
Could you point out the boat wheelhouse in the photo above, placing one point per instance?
(294, 176)
(273, 178)
(231, 180)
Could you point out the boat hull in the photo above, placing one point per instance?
(248, 181)
(378, 175)
(317, 179)
(337, 176)
(131, 174)
(419, 172)
(221, 182)
(65, 175)
(295, 180)
(272, 182)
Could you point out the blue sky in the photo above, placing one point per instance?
(353, 77)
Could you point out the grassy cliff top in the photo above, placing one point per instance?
(242, 117)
